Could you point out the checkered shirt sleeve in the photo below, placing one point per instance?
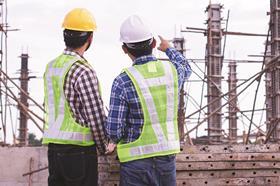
(82, 92)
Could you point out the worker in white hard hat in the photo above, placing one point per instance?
(74, 120)
(142, 119)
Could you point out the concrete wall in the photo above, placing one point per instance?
(15, 161)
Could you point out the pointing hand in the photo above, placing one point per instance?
(164, 44)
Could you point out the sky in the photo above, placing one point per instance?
(40, 35)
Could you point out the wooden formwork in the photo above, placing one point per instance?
(214, 165)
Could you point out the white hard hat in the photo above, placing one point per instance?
(133, 30)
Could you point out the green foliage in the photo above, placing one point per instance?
(33, 141)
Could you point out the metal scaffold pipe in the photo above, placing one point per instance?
(256, 92)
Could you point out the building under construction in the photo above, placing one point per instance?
(226, 155)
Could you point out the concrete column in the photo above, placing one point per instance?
(214, 70)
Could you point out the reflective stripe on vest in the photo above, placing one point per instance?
(165, 144)
(54, 133)
(153, 148)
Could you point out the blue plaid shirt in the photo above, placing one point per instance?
(126, 119)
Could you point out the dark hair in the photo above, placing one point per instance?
(140, 48)
(75, 39)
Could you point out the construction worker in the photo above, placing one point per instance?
(142, 119)
(74, 122)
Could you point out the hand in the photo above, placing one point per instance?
(110, 148)
(164, 44)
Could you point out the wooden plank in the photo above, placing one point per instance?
(182, 175)
(190, 166)
(228, 157)
(114, 167)
(108, 159)
(109, 176)
(110, 183)
(200, 149)
(227, 174)
(267, 181)
(202, 166)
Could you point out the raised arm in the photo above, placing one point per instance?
(177, 59)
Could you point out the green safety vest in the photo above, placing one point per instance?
(60, 126)
(156, 84)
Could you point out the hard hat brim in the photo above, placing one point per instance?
(137, 40)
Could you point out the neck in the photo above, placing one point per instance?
(131, 57)
(80, 50)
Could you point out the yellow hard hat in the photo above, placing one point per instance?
(79, 19)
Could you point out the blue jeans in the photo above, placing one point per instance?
(155, 171)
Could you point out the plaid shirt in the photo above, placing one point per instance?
(81, 90)
(126, 119)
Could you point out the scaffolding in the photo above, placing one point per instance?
(226, 164)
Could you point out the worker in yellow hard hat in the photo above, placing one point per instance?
(74, 119)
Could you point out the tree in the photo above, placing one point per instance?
(33, 141)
